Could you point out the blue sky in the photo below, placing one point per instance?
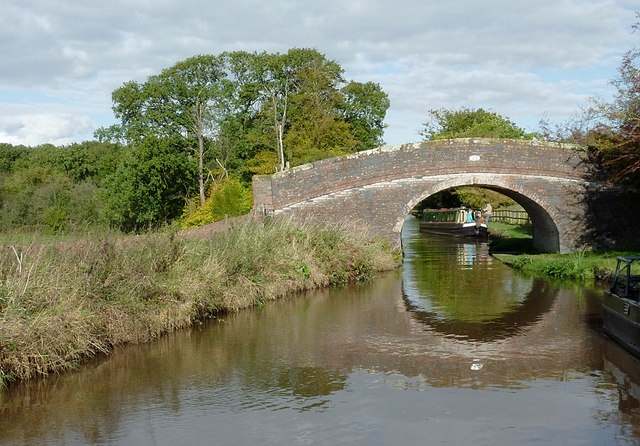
(525, 59)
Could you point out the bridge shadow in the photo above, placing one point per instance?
(612, 209)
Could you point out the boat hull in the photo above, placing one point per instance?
(621, 321)
(456, 229)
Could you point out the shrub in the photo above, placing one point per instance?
(228, 198)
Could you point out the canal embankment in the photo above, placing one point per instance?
(512, 245)
(583, 265)
(63, 303)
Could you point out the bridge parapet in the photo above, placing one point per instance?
(419, 159)
(376, 189)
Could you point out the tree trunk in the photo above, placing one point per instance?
(201, 167)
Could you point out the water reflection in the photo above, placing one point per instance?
(396, 360)
(624, 373)
(509, 322)
(469, 298)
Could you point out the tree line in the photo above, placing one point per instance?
(188, 140)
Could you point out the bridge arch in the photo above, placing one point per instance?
(546, 235)
(376, 189)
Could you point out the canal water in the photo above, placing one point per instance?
(454, 348)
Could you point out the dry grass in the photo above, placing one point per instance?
(60, 304)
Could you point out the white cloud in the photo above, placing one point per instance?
(30, 127)
(496, 54)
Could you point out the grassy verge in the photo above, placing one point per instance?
(576, 266)
(512, 244)
(509, 238)
(60, 304)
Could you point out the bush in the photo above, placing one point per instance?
(228, 198)
(150, 186)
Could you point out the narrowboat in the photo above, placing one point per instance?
(456, 221)
(621, 311)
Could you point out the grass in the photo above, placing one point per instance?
(510, 238)
(577, 266)
(26, 236)
(512, 244)
(62, 303)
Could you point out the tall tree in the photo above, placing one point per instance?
(316, 129)
(365, 107)
(616, 135)
(179, 104)
(194, 93)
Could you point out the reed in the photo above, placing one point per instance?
(63, 303)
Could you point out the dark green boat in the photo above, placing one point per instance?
(455, 221)
(621, 307)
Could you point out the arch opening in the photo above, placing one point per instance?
(546, 237)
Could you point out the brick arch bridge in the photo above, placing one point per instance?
(376, 189)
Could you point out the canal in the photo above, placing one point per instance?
(453, 348)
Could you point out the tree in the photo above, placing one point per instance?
(316, 129)
(469, 123)
(609, 128)
(179, 104)
(364, 107)
(194, 91)
(234, 114)
(616, 135)
(150, 186)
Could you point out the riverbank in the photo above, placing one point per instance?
(61, 304)
(574, 266)
(512, 245)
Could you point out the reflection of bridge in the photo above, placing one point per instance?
(537, 302)
(376, 189)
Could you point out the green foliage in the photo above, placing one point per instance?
(616, 135)
(364, 108)
(9, 155)
(150, 186)
(228, 198)
(470, 123)
(471, 197)
(42, 198)
(230, 103)
(264, 162)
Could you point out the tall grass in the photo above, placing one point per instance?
(62, 303)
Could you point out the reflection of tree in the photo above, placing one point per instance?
(460, 282)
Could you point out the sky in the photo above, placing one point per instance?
(524, 59)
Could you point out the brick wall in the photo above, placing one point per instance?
(376, 189)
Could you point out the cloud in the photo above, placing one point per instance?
(497, 53)
(30, 127)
